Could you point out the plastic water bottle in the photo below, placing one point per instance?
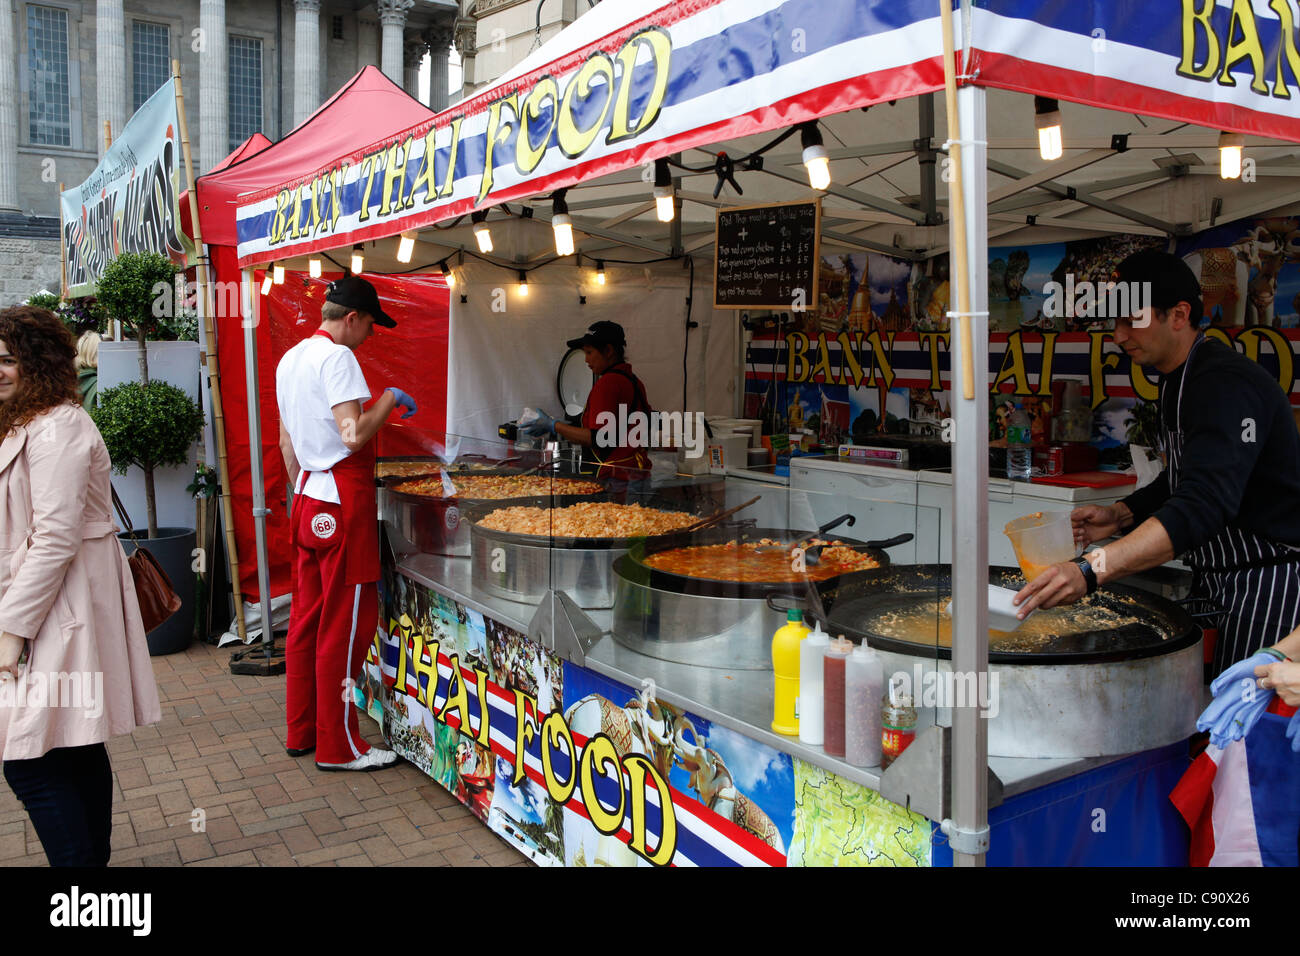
(1020, 451)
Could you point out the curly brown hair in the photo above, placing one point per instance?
(46, 355)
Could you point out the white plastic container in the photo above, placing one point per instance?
(864, 685)
(808, 708)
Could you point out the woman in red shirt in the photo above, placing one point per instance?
(617, 394)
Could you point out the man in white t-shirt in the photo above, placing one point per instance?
(326, 440)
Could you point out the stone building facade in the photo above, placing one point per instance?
(67, 66)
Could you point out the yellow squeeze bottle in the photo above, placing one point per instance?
(785, 664)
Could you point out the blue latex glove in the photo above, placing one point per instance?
(1238, 701)
(544, 425)
(1242, 670)
(1293, 732)
(403, 401)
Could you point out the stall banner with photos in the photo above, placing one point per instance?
(610, 776)
(874, 356)
(131, 202)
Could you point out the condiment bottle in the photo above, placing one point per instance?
(809, 710)
(837, 654)
(864, 683)
(897, 723)
(785, 665)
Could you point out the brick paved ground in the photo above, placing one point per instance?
(219, 747)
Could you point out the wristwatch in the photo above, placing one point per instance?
(1089, 575)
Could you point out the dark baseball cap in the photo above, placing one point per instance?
(600, 334)
(354, 292)
(1172, 280)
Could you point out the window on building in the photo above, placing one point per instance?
(150, 60)
(49, 108)
(337, 25)
(245, 78)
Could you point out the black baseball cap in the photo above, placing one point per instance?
(1172, 280)
(600, 334)
(355, 292)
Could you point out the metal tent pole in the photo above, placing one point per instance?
(244, 662)
(970, 640)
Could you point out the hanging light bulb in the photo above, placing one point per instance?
(405, 247)
(600, 272)
(447, 275)
(266, 283)
(523, 282)
(815, 158)
(664, 195)
(358, 260)
(1230, 145)
(1047, 120)
(279, 273)
(481, 231)
(561, 224)
(313, 267)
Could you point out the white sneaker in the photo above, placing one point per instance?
(372, 759)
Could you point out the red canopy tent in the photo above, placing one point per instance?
(413, 355)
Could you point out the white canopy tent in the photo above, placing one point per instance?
(1140, 166)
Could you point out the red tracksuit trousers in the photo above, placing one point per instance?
(331, 627)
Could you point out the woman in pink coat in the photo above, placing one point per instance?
(74, 666)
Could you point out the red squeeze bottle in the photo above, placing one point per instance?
(837, 654)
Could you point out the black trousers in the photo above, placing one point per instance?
(68, 793)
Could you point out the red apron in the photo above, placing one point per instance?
(354, 478)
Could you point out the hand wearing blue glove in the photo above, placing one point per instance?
(1242, 670)
(543, 425)
(1293, 732)
(403, 401)
(1238, 701)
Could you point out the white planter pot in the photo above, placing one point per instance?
(176, 363)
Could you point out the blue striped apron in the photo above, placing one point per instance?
(1255, 579)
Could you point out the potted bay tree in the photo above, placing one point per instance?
(151, 424)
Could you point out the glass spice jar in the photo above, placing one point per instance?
(897, 724)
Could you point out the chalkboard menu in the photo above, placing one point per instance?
(767, 256)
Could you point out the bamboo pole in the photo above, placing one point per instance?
(957, 205)
(214, 375)
(63, 252)
(108, 142)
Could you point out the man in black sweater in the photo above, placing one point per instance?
(1229, 498)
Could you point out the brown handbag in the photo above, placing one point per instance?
(157, 598)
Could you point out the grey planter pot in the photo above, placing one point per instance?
(174, 549)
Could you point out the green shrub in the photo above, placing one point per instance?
(152, 426)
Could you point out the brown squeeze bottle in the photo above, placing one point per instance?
(837, 655)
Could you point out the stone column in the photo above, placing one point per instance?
(8, 111)
(466, 39)
(214, 66)
(367, 41)
(392, 14)
(439, 51)
(413, 50)
(110, 69)
(306, 59)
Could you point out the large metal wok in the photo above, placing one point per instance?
(429, 525)
(1085, 689)
(720, 623)
(522, 567)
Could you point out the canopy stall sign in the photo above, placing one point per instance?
(131, 202)
(666, 82)
(1230, 66)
